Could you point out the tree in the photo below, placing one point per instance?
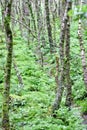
(67, 64)
(49, 28)
(9, 41)
(31, 12)
(64, 28)
(82, 49)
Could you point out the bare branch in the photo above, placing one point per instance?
(26, 26)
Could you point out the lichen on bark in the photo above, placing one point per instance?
(9, 43)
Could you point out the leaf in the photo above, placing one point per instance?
(71, 13)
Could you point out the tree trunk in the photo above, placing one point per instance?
(39, 31)
(9, 40)
(20, 80)
(83, 57)
(57, 72)
(58, 99)
(49, 28)
(32, 15)
(67, 66)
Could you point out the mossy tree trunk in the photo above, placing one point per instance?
(9, 42)
(59, 93)
(67, 64)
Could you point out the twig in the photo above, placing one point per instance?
(25, 25)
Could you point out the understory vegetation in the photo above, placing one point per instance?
(31, 103)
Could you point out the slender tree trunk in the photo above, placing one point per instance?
(59, 10)
(83, 57)
(39, 31)
(67, 66)
(31, 12)
(49, 28)
(57, 72)
(20, 80)
(59, 93)
(20, 15)
(9, 40)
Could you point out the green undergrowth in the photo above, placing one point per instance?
(31, 104)
(83, 105)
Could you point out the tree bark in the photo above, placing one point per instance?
(67, 66)
(49, 28)
(9, 40)
(83, 57)
(20, 80)
(39, 31)
(31, 12)
(60, 89)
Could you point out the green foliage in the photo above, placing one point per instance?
(77, 13)
(30, 106)
(70, 118)
(71, 13)
(83, 105)
(84, 108)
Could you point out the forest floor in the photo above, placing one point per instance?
(30, 106)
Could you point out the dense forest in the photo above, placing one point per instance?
(43, 65)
